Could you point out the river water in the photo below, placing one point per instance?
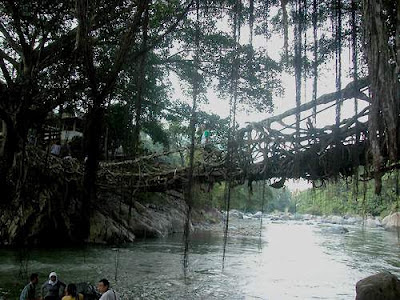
(283, 260)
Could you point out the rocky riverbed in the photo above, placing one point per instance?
(390, 222)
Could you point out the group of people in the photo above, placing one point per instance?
(54, 289)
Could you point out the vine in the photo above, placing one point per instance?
(315, 54)
(232, 118)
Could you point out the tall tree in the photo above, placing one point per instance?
(381, 23)
(100, 88)
(37, 42)
(102, 77)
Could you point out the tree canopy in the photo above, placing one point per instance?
(113, 60)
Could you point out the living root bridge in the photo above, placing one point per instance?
(310, 163)
(270, 149)
(149, 174)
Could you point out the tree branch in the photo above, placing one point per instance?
(10, 40)
(169, 30)
(350, 91)
(60, 48)
(11, 60)
(124, 48)
(18, 27)
(6, 74)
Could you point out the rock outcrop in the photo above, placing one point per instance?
(49, 209)
(115, 221)
(392, 222)
(381, 286)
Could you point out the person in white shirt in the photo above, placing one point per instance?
(106, 293)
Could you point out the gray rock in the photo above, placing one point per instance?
(115, 222)
(308, 217)
(258, 215)
(336, 229)
(370, 222)
(206, 216)
(235, 214)
(381, 286)
(392, 222)
(336, 219)
(353, 220)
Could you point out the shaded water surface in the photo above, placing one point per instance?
(290, 260)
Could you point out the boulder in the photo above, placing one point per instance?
(114, 221)
(370, 222)
(336, 220)
(307, 217)
(392, 222)
(235, 214)
(352, 220)
(206, 216)
(257, 215)
(381, 286)
(336, 229)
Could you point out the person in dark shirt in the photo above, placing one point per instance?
(29, 291)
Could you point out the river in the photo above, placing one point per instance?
(283, 260)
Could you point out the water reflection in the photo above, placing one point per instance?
(291, 260)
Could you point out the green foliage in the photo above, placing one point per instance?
(121, 131)
(179, 132)
(342, 198)
(243, 199)
(259, 77)
(59, 77)
(156, 131)
(120, 127)
(42, 35)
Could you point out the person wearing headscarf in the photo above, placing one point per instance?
(53, 289)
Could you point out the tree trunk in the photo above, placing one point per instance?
(381, 26)
(140, 84)
(7, 159)
(16, 131)
(93, 131)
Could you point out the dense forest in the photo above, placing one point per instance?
(343, 197)
(350, 198)
(107, 65)
(260, 198)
